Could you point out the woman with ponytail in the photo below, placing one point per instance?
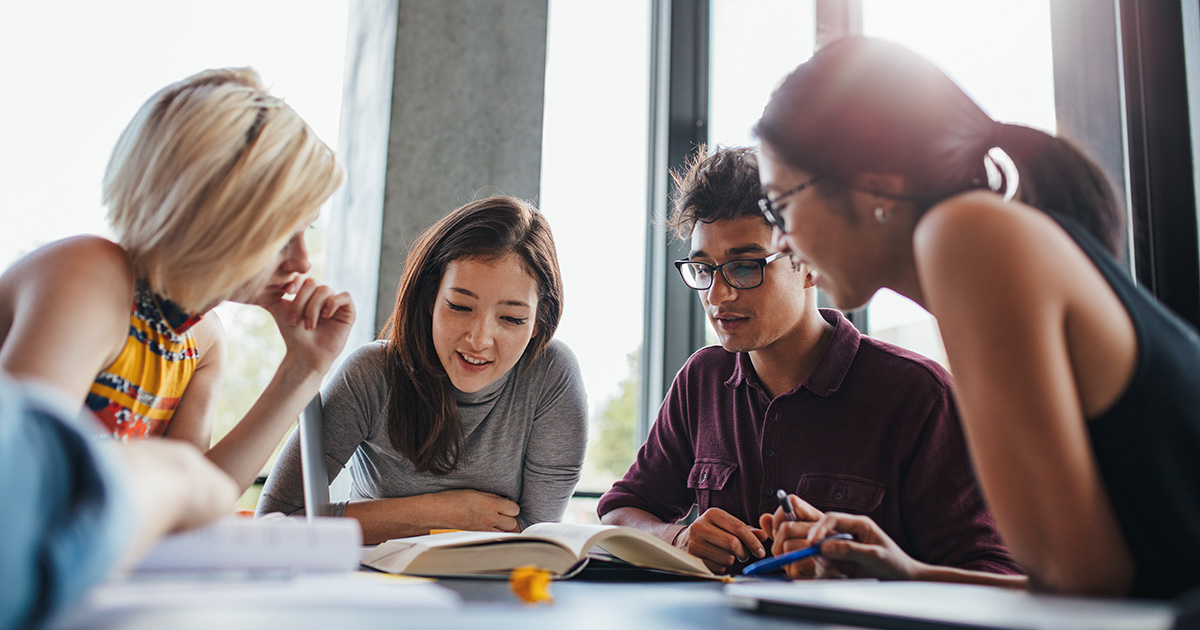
(467, 414)
(1077, 390)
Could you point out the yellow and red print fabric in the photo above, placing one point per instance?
(136, 396)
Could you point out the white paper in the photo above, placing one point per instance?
(345, 589)
(269, 544)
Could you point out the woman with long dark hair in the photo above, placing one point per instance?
(1077, 390)
(467, 414)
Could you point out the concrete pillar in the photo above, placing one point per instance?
(442, 105)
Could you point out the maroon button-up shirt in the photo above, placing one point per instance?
(872, 431)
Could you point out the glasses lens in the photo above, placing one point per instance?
(696, 275)
(771, 213)
(743, 274)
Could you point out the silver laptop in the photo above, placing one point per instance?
(874, 604)
(312, 460)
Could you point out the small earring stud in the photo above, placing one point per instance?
(882, 216)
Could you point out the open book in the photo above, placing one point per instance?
(561, 548)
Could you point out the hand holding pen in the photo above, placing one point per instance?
(777, 563)
(789, 527)
(792, 509)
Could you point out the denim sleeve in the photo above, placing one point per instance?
(67, 514)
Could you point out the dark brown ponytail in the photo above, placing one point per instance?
(862, 105)
(1056, 175)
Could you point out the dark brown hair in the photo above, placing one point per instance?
(866, 106)
(423, 420)
(718, 187)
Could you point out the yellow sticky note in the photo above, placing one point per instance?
(531, 584)
(443, 531)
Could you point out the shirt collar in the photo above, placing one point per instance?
(830, 371)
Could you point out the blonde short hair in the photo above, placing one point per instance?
(209, 181)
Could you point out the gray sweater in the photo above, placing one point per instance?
(524, 438)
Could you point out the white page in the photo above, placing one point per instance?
(350, 589)
(267, 544)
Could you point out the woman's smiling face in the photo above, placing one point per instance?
(484, 316)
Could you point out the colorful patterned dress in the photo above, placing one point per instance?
(136, 396)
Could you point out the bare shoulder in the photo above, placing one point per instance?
(980, 223)
(82, 273)
(90, 264)
(209, 333)
(82, 286)
(980, 232)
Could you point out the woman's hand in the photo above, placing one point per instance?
(872, 553)
(473, 510)
(314, 323)
(174, 488)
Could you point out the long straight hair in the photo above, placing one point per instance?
(866, 106)
(422, 416)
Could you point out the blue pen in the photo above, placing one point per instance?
(767, 565)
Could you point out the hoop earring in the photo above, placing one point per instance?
(882, 216)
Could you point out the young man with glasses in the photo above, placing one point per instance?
(793, 399)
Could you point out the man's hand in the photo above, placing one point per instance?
(788, 535)
(720, 539)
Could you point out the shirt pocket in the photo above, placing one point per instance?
(841, 493)
(713, 482)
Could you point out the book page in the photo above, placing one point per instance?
(469, 553)
(576, 537)
(629, 544)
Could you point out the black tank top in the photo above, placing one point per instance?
(1148, 444)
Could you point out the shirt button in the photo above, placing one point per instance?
(767, 492)
(770, 452)
(837, 496)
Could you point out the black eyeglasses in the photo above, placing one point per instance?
(746, 273)
(771, 211)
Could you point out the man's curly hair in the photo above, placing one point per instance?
(718, 187)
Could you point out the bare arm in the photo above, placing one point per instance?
(1001, 279)
(873, 553)
(174, 488)
(384, 519)
(314, 325)
(67, 305)
(193, 420)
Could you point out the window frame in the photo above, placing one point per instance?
(1106, 56)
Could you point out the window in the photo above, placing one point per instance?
(753, 46)
(1003, 60)
(594, 178)
(95, 67)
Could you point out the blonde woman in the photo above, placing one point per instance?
(209, 190)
